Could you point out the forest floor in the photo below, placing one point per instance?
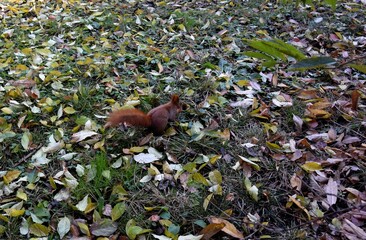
(270, 145)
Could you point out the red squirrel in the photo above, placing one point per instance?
(156, 119)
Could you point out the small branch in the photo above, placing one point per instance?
(351, 60)
(23, 159)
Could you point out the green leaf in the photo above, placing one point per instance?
(165, 215)
(252, 189)
(25, 140)
(312, 63)
(2, 230)
(262, 46)
(269, 64)
(286, 48)
(174, 229)
(105, 227)
(63, 226)
(118, 210)
(39, 230)
(257, 55)
(361, 68)
(134, 231)
(332, 3)
(6, 135)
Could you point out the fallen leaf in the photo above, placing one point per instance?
(229, 227)
(331, 189)
(145, 158)
(211, 229)
(80, 136)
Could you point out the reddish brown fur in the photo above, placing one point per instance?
(157, 119)
(132, 117)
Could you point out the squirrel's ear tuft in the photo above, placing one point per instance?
(175, 98)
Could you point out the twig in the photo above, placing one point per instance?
(349, 61)
(355, 132)
(28, 155)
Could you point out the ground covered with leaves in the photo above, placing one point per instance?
(271, 145)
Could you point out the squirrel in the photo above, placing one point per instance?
(156, 119)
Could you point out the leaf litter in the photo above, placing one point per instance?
(262, 151)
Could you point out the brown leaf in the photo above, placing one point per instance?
(298, 122)
(211, 229)
(332, 134)
(308, 94)
(355, 96)
(296, 155)
(23, 83)
(349, 140)
(352, 231)
(229, 227)
(145, 139)
(74, 230)
(296, 182)
(191, 54)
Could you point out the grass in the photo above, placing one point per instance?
(116, 50)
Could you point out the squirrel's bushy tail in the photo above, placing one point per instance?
(129, 117)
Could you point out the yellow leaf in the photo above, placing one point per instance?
(52, 182)
(142, 80)
(55, 73)
(88, 61)
(273, 146)
(225, 134)
(161, 68)
(11, 176)
(14, 212)
(319, 113)
(22, 195)
(119, 190)
(270, 126)
(4, 218)
(43, 51)
(21, 67)
(99, 145)
(84, 228)
(137, 149)
(207, 201)
(242, 83)
(251, 163)
(13, 9)
(215, 177)
(90, 207)
(214, 159)
(297, 203)
(311, 166)
(7, 110)
(69, 110)
(182, 27)
(199, 178)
